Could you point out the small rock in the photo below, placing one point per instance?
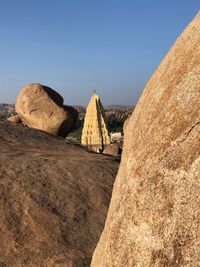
(15, 119)
(113, 149)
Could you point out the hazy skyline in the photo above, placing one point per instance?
(76, 47)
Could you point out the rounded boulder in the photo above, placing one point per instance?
(41, 107)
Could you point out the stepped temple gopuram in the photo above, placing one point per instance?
(95, 134)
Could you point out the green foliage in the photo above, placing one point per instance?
(115, 124)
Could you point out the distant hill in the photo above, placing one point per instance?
(108, 107)
(119, 107)
(6, 110)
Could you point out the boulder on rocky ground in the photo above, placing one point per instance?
(54, 198)
(154, 216)
(41, 107)
(15, 119)
(113, 149)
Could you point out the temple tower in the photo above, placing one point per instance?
(95, 134)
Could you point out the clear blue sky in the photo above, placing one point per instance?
(76, 46)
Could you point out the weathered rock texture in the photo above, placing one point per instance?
(54, 199)
(15, 119)
(95, 132)
(41, 107)
(154, 217)
(113, 149)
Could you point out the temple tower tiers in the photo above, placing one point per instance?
(95, 132)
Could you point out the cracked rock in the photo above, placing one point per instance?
(41, 107)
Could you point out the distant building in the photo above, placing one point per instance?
(95, 134)
(116, 137)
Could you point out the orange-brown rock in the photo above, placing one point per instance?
(113, 149)
(15, 119)
(154, 216)
(54, 198)
(41, 107)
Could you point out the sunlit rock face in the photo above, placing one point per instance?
(154, 216)
(95, 133)
(40, 107)
(54, 198)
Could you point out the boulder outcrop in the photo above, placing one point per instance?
(154, 216)
(54, 198)
(41, 107)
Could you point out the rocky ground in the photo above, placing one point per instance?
(54, 198)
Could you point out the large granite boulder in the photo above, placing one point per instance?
(154, 216)
(41, 107)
